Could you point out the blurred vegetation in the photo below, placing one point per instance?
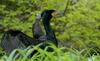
(43, 55)
(79, 28)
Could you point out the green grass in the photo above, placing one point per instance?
(59, 54)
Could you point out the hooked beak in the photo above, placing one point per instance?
(57, 13)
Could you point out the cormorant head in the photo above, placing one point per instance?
(48, 14)
(51, 13)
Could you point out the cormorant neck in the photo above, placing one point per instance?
(49, 32)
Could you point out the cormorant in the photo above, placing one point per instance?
(46, 17)
(13, 39)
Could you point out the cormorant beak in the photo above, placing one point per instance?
(57, 13)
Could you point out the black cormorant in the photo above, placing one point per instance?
(13, 39)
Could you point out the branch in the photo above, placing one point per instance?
(66, 8)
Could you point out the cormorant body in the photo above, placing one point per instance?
(13, 39)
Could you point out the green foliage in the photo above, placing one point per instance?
(79, 28)
(42, 55)
(81, 23)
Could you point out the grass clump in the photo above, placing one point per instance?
(59, 54)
